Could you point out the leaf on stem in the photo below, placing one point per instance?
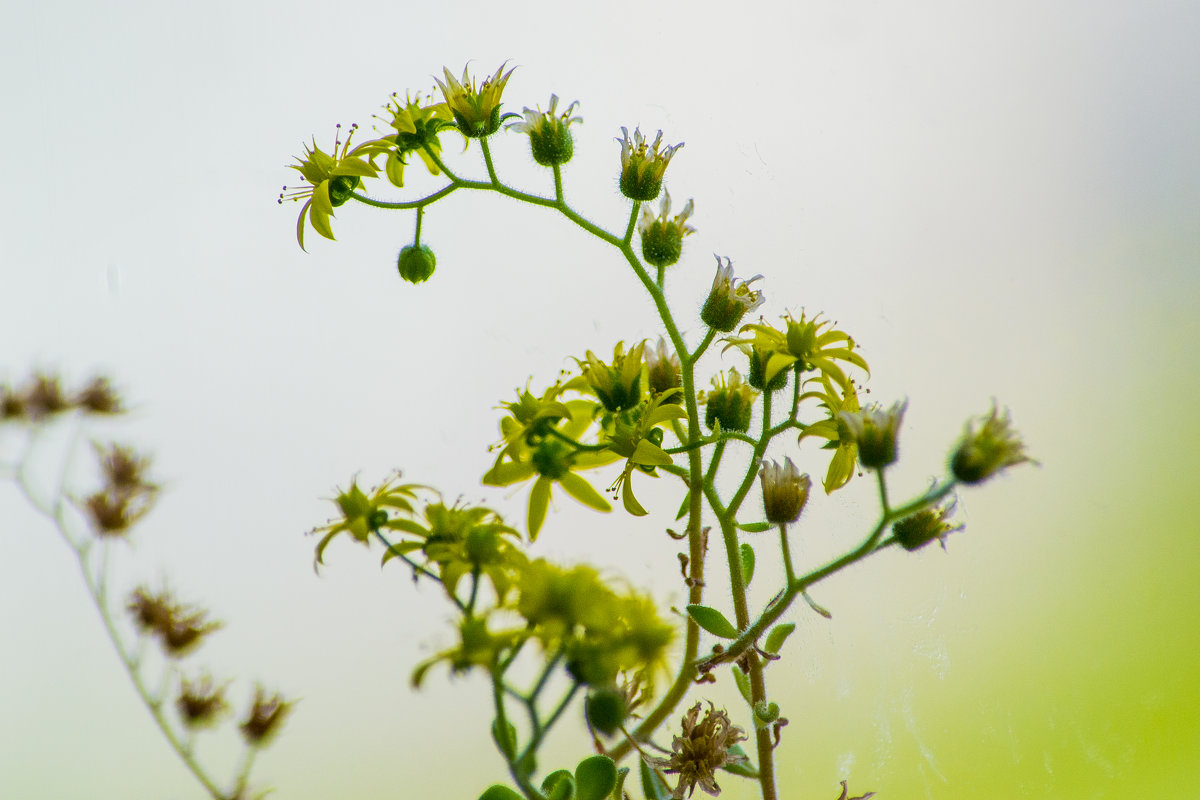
(777, 636)
(747, 553)
(653, 785)
(712, 621)
(595, 777)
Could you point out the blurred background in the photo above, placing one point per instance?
(998, 200)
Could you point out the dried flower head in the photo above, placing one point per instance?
(114, 512)
(703, 749)
(266, 715)
(152, 613)
(985, 451)
(45, 396)
(184, 631)
(99, 397)
(124, 470)
(200, 703)
(12, 405)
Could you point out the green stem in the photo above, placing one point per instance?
(502, 724)
(417, 235)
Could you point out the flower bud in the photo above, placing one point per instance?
(785, 491)
(416, 263)
(642, 165)
(874, 431)
(549, 133)
(729, 299)
(662, 236)
(341, 187)
(729, 403)
(606, 711)
(983, 453)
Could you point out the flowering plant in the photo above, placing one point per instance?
(559, 641)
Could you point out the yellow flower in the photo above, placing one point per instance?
(417, 126)
(834, 428)
(802, 344)
(331, 180)
(476, 110)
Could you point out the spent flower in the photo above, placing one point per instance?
(988, 450)
(729, 299)
(784, 490)
(643, 164)
(662, 235)
(930, 524)
(265, 717)
(705, 746)
(729, 404)
(549, 132)
(874, 430)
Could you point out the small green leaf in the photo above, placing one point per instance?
(499, 792)
(595, 777)
(755, 527)
(505, 739)
(683, 507)
(777, 636)
(559, 785)
(747, 563)
(766, 712)
(652, 785)
(712, 621)
(743, 684)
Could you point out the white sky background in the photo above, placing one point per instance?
(996, 199)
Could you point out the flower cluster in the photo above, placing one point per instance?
(43, 398)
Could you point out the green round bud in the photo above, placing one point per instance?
(416, 263)
(662, 244)
(377, 519)
(644, 186)
(758, 369)
(606, 710)
(341, 187)
(551, 143)
(731, 408)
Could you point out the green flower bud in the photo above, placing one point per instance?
(785, 491)
(606, 710)
(729, 403)
(549, 133)
(416, 263)
(662, 236)
(729, 299)
(983, 453)
(643, 165)
(874, 431)
(483, 545)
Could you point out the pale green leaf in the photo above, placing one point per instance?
(539, 502)
(747, 553)
(776, 637)
(595, 777)
(712, 621)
